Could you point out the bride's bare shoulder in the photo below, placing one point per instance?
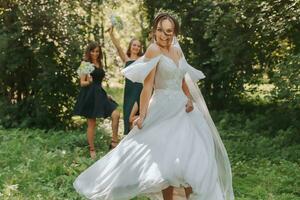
(152, 51)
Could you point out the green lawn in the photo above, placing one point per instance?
(39, 164)
(42, 165)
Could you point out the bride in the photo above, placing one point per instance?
(174, 143)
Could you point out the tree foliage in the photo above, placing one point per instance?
(40, 48)
(41, 45)
(241, 43)
(244, 48)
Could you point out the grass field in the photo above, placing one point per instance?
(42, 164)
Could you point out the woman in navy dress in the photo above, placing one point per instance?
(132, 90)
(93, 102)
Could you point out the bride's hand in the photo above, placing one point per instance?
(139, 122)
(189, 106)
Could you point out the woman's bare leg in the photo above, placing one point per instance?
(91, 135)
(115, 116)
(188, 192)
(168, 193)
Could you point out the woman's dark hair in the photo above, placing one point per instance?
(162, 16)
(90, 47)
(128, 53)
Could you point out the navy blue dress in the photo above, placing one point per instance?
(92, 101)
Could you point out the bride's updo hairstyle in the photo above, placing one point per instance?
(158, 20)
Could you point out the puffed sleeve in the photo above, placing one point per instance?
(138, 71)
(194, 73)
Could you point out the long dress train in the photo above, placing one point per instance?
(174, 148)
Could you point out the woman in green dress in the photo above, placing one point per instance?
(93, 101)
(132, 90)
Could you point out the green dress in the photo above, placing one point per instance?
(132, 93)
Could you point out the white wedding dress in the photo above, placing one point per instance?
(174, 148)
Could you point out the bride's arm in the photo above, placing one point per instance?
(145, 97)
(189, 105)
(146, 93)
(116, 42)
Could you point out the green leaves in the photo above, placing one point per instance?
(39, 57)
(239, 45)
(41, 47)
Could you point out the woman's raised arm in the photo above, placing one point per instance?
(116, 42)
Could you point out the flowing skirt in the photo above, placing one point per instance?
(93, 102)
(174, 148)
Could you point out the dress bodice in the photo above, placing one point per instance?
(98, 74)
(168, 74)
